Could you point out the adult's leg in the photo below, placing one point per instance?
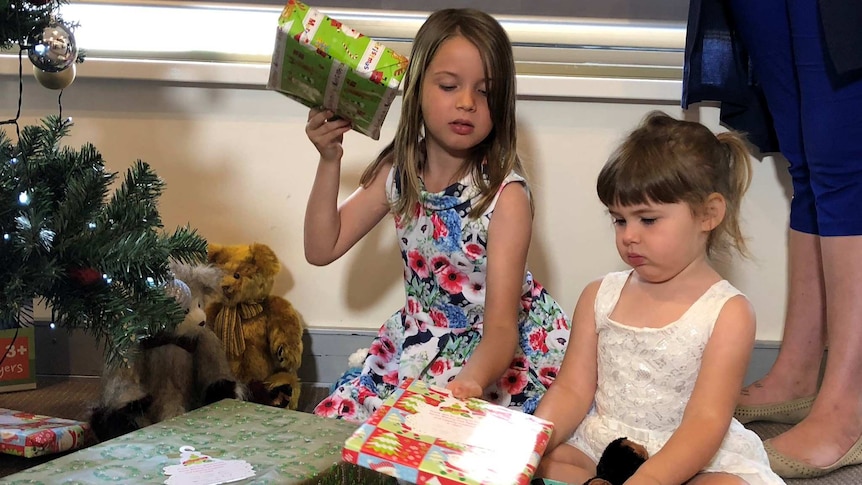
(797, 368)
(832, 116)
(765, 30)
(835, 421)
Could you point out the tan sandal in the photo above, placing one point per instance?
(787, 412)
(788, 467)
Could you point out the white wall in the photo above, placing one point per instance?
(238, 168)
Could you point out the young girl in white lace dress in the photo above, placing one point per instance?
(659, 352)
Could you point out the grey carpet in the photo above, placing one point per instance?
(73, 397)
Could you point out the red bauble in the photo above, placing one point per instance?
(85, 276)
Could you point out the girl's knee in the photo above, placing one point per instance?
(562, 472)
(566, 463)
(716, 479)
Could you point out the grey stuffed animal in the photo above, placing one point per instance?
(171, 372)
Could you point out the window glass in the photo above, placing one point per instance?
(663, 10)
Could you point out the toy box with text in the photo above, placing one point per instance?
(319, 61)
(28, 435)
(422, 434)
(18, 361)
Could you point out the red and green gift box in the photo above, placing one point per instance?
(28, 435)
(422, 434)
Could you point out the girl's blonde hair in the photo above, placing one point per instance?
(493, 158)
(668, 161)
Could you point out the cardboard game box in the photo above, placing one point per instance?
(424, 435)
(18, 359)
(319, 61)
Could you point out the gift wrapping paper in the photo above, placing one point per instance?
(282, 446)
(321, 62)
(28, 435)
(423, 435)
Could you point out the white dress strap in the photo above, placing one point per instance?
(608, 295)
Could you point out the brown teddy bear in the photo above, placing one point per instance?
(261, 333)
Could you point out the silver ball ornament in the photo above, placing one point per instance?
(55, 50)
(180, 291)
(55, 80)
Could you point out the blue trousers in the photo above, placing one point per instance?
(817, 115)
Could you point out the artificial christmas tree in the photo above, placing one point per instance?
(21, 20)
(99, 263)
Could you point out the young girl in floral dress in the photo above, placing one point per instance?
(475, 321)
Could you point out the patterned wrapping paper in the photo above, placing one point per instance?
(28, 435)
(319, 61)
(423, 435)
(283, 447)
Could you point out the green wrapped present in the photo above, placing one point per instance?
(319, 61)
(282, 447)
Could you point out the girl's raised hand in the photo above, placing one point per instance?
(326, 133)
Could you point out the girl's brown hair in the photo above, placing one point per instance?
(668, 161)
(493, 158)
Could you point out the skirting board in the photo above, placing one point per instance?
(63, 352)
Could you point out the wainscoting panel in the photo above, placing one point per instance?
(325, 351)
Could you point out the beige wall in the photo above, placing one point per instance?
(238, 168)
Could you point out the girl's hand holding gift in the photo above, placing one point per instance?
(465, 388)
(326, 133)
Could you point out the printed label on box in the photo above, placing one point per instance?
(18, 366)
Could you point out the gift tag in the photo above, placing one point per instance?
(196, 468)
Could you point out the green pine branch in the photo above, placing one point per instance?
(21, 20)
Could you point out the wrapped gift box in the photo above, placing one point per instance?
(319, 61)
(18, 367)
(282, 446)
(29, 435)
(424, 435)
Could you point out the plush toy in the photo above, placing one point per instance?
(619, 461)
(169, 373)
(204, 282)
(261, 333)
(355, 364)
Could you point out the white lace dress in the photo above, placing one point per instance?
(646, 377)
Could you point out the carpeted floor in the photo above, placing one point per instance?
(72, 398)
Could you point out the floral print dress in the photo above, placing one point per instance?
(431, 338)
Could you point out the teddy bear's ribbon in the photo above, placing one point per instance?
(228, 325)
